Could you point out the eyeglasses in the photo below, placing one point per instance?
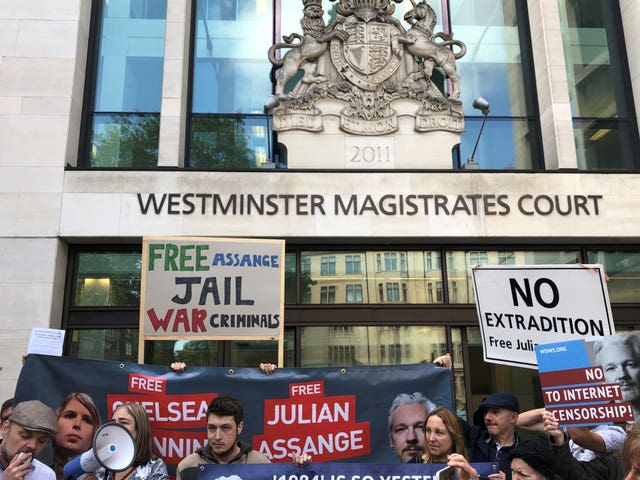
(2, 419)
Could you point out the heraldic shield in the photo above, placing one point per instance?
(365, 57)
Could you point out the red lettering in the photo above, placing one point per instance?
(162, 322)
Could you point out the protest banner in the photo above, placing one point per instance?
(591, 382)
(333, 471)
(332, 413)
(522, 306)
(212, 288)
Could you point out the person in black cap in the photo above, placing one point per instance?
(533, 460)
(25, 434)
(493, 441)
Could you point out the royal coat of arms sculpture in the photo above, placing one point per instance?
(366, 75)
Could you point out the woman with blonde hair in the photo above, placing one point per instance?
(147, 465)
(78, 420)
(446, 444)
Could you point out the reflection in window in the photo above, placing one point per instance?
(390, 261)
(598, 85)
(370, 345)
(460, 265)
(352, 264)
(393, 292)
(363, 276)
(122, 124)
(354, 293)
(328, 294)
(230, 78)
(497, 66)
(342, 355)
(623, 270)
(290, 278)
(340, 329)
(506, 258)
(120, 345)
(227, 142)
(107, 279)
(125, 141)
(328, 266)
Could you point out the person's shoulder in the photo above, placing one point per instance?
(254, 456)
(191, 461)
(157, 465)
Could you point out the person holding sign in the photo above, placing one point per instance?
(494, 442)
(446, 444)
(615, 466)
(619, 356)
(225, 421)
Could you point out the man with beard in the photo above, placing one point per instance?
(493, 441)
(224, 425)
(407, 415)
(619, 356)
(25, 433)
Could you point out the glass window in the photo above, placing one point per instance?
(328, 265)
(123, 115)
(290, 278)
(487, 378)
(371, 345)
(107, 279)
(202, 353)
(623, 270)
(328, 294)
(230, 77)
(598, 85)
(352, 264)
(354, 293)
(379, 276)
(497, 66)
(119, 345)
(460, 265)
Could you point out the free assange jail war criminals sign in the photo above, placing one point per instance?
(522, 306)
(215, 288)
(331, 413)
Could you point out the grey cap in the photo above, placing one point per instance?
(35, 416)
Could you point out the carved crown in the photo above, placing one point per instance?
(308, 3)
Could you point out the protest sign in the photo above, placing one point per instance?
(520, 307)
(211, 288)
(591, 382)
(334, 414)
(333, 471)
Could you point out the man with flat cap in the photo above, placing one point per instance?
(493, 441)
(25, 434)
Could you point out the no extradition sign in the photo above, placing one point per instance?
(520, 307)
(214, 288)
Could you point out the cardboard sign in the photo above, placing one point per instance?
(520, 307)
(212, 287)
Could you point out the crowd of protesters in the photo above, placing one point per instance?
(419, 432)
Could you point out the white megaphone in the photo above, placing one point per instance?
(113, 449)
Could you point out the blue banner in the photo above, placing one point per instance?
(332, 471)
(332, 413)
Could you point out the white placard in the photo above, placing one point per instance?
(46, 341)
(522, 306)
